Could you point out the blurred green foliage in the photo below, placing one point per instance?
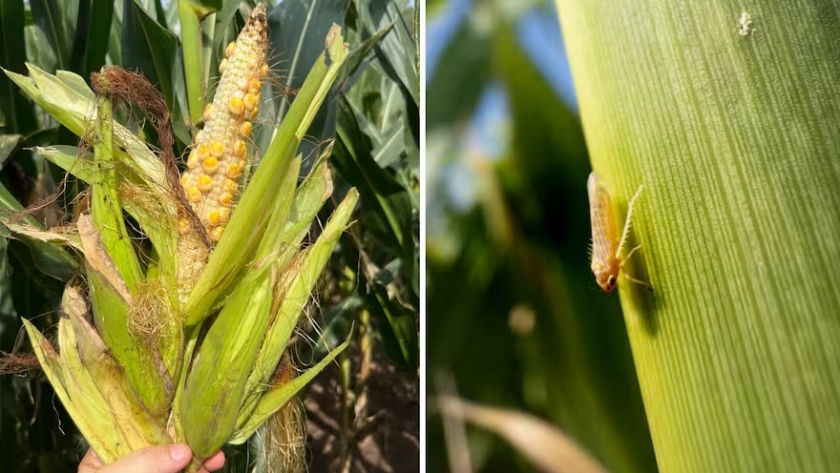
(514, 314)
(373, 115)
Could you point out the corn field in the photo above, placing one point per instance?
(204, 205)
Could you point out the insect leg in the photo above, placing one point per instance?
(636, 281)
(629, 254)
(627, 222)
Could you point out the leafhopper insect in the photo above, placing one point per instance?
(607, 260)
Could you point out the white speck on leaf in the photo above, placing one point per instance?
(745, 24)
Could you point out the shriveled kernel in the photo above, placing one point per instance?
(193, 194)
(203, 152)
(230, 186)
(210, 165)
(264, 70)
(208, 111)
(245, 129)
(185, 179)
(213, 217)
(217, 149)
(222, 66)
(250, 101)
(183, 226)
(192, 159)
(226, 199)
(205, 183)
(239, 148)
(216, 233)
(254, 86)
(235, 169)
(224, 215)
(236, 106)
(229, 49)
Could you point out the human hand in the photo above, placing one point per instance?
(156, 459)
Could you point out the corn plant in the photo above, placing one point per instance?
(180, 336)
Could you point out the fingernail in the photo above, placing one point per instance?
(179, 451)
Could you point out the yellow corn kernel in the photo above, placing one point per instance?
(239, 148)
(192, 159)
(193, 194)
(217, 149)
(236, 106)
(254, 86)
(235, 169)
(203, 152)
(231, 47)
(185, 180)
(208, 111)
(213, 217)
(245, 129)
(216, 233)
(210, 165)
(183, 226)
(224, 215)
(250, 101)
(253, 114)
(226, 199)
(264, 70)
(230, 186)
(205, 183)
(222, 66)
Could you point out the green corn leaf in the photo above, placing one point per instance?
(726, 113)
(18, 114)
(92, 30)
(54, 17)
(149, 48)
(50, 259)
(277, 397)
(216, 383)
(248, 222)
(190, 14)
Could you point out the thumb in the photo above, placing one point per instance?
(156, 459)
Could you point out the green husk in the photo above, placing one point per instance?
(216, 383)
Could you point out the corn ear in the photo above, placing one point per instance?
(231, 255)
(218, 158)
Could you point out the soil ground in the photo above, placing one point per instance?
(385, 439)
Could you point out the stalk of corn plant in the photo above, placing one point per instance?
(155, 367)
